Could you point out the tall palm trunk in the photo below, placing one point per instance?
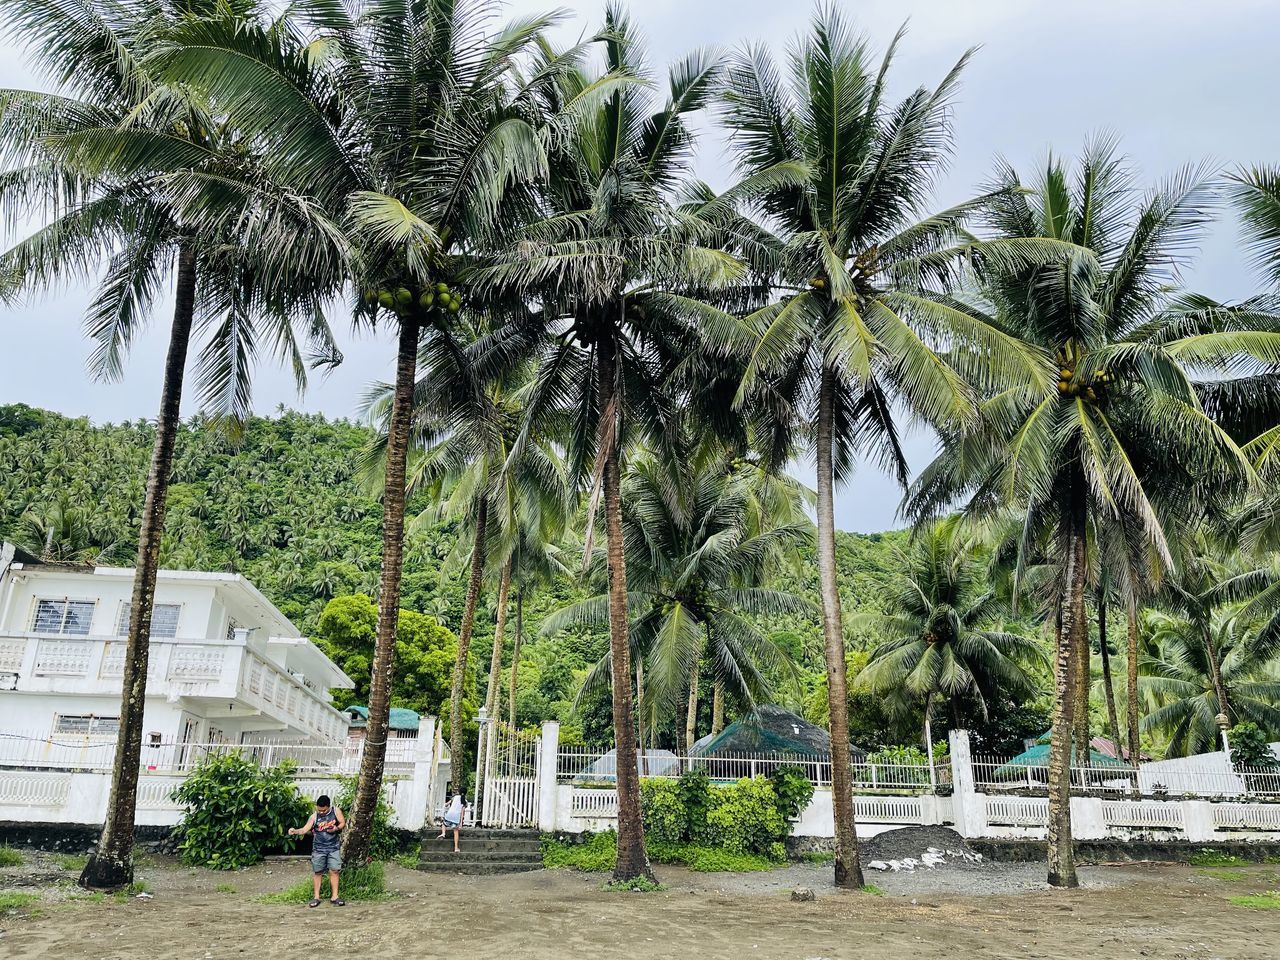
(633, 859)
(458, 769)
(369, 787)
(1215, 671)
(515, 658)
(691, 715)
(1062, 866)
(717, 708)
(1131, 683)
(495, 678)
(848, 869)
(1113, 722)
(111, 865)
(1080, 715)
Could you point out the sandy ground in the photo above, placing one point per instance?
(1159, 911)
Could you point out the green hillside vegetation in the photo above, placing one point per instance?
(285, 505)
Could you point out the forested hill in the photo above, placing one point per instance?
(284, 505)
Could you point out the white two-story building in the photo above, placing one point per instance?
(226, 667)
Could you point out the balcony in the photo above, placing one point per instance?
(219, 669)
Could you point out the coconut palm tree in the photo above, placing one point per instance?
(698, 554)
(1122, 436)
(600, 261)
(120, 168)
(1185, 684)
(941, 637)
(401, 127)
(841, 176)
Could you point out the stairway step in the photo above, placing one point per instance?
(483, 868)
(469, 855)
(480, 843)
(493, 833)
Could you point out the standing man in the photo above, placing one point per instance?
(326, 823)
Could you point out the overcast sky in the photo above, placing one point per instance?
(1179, 80)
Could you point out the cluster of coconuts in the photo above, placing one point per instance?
(1094, 390)
(403, 300)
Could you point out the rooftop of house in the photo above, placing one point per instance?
(402, 718)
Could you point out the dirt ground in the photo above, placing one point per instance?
(1159, 911)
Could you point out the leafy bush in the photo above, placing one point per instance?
(703, 859)
(365, 882)
(793, 790)
(744, 818)
(598, 852)
(900, 757)
(663, 811)
(236, 812)
(1249, 747)
(695, 792)
(383, 843)
(634, 885)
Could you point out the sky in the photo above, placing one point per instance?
(1178, 80)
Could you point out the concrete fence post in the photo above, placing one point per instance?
(967, 805)
(416, 814)
(548, 756)
(1197, 820)
(1088, 822)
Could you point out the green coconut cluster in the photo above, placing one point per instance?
(439, 296)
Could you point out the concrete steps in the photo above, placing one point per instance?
(483, 852)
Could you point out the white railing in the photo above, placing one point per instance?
(276, 691)
(888, 810)
(998, 775)
(600, 804)
(35, 789)
(1246, 816)
(1145, 814)
(577, 764)
(97, 754)
(1017, 811)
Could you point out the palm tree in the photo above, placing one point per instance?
(699, 554)
(842, 175)
(609, 246)
(120, 168)
(401, 127)
(940, 637)
(1186, 686)
(1122, 436)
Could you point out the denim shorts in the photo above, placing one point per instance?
(322, 860)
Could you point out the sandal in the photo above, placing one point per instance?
(314, 903)
(338, 903)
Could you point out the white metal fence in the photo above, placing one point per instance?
(579, 764)
(998, 775)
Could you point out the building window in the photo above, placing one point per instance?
(164, 620)
(86, 724)
(232, 627)
(63, 617)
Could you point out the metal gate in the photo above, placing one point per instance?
(510, 793)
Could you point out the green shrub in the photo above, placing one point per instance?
(366, 882)
(634, 885)
(1250, 747)
(598, 852)
(715, 860)
(695, 792)
(793, 790)
(663, 811)
(383, 843)
(10, 857)
(1214, 858)
(236, 812)
(744, 818)
(910, 757)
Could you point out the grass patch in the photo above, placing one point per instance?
(223, 888)
(358, 883)
(88, 896)
(872, 889)
(14, 902)
(635, 885)
(70, 861)
(1259, 901)
(1228, 876)
(10, 857)
(819, 856)
(409, 859)
(132, 890)
(600, 853)
(1214, 858)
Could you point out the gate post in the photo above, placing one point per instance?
(548, 787)
(967, 806)
(424, 769)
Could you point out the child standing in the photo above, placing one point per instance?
(326, 823)
(453, 819)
